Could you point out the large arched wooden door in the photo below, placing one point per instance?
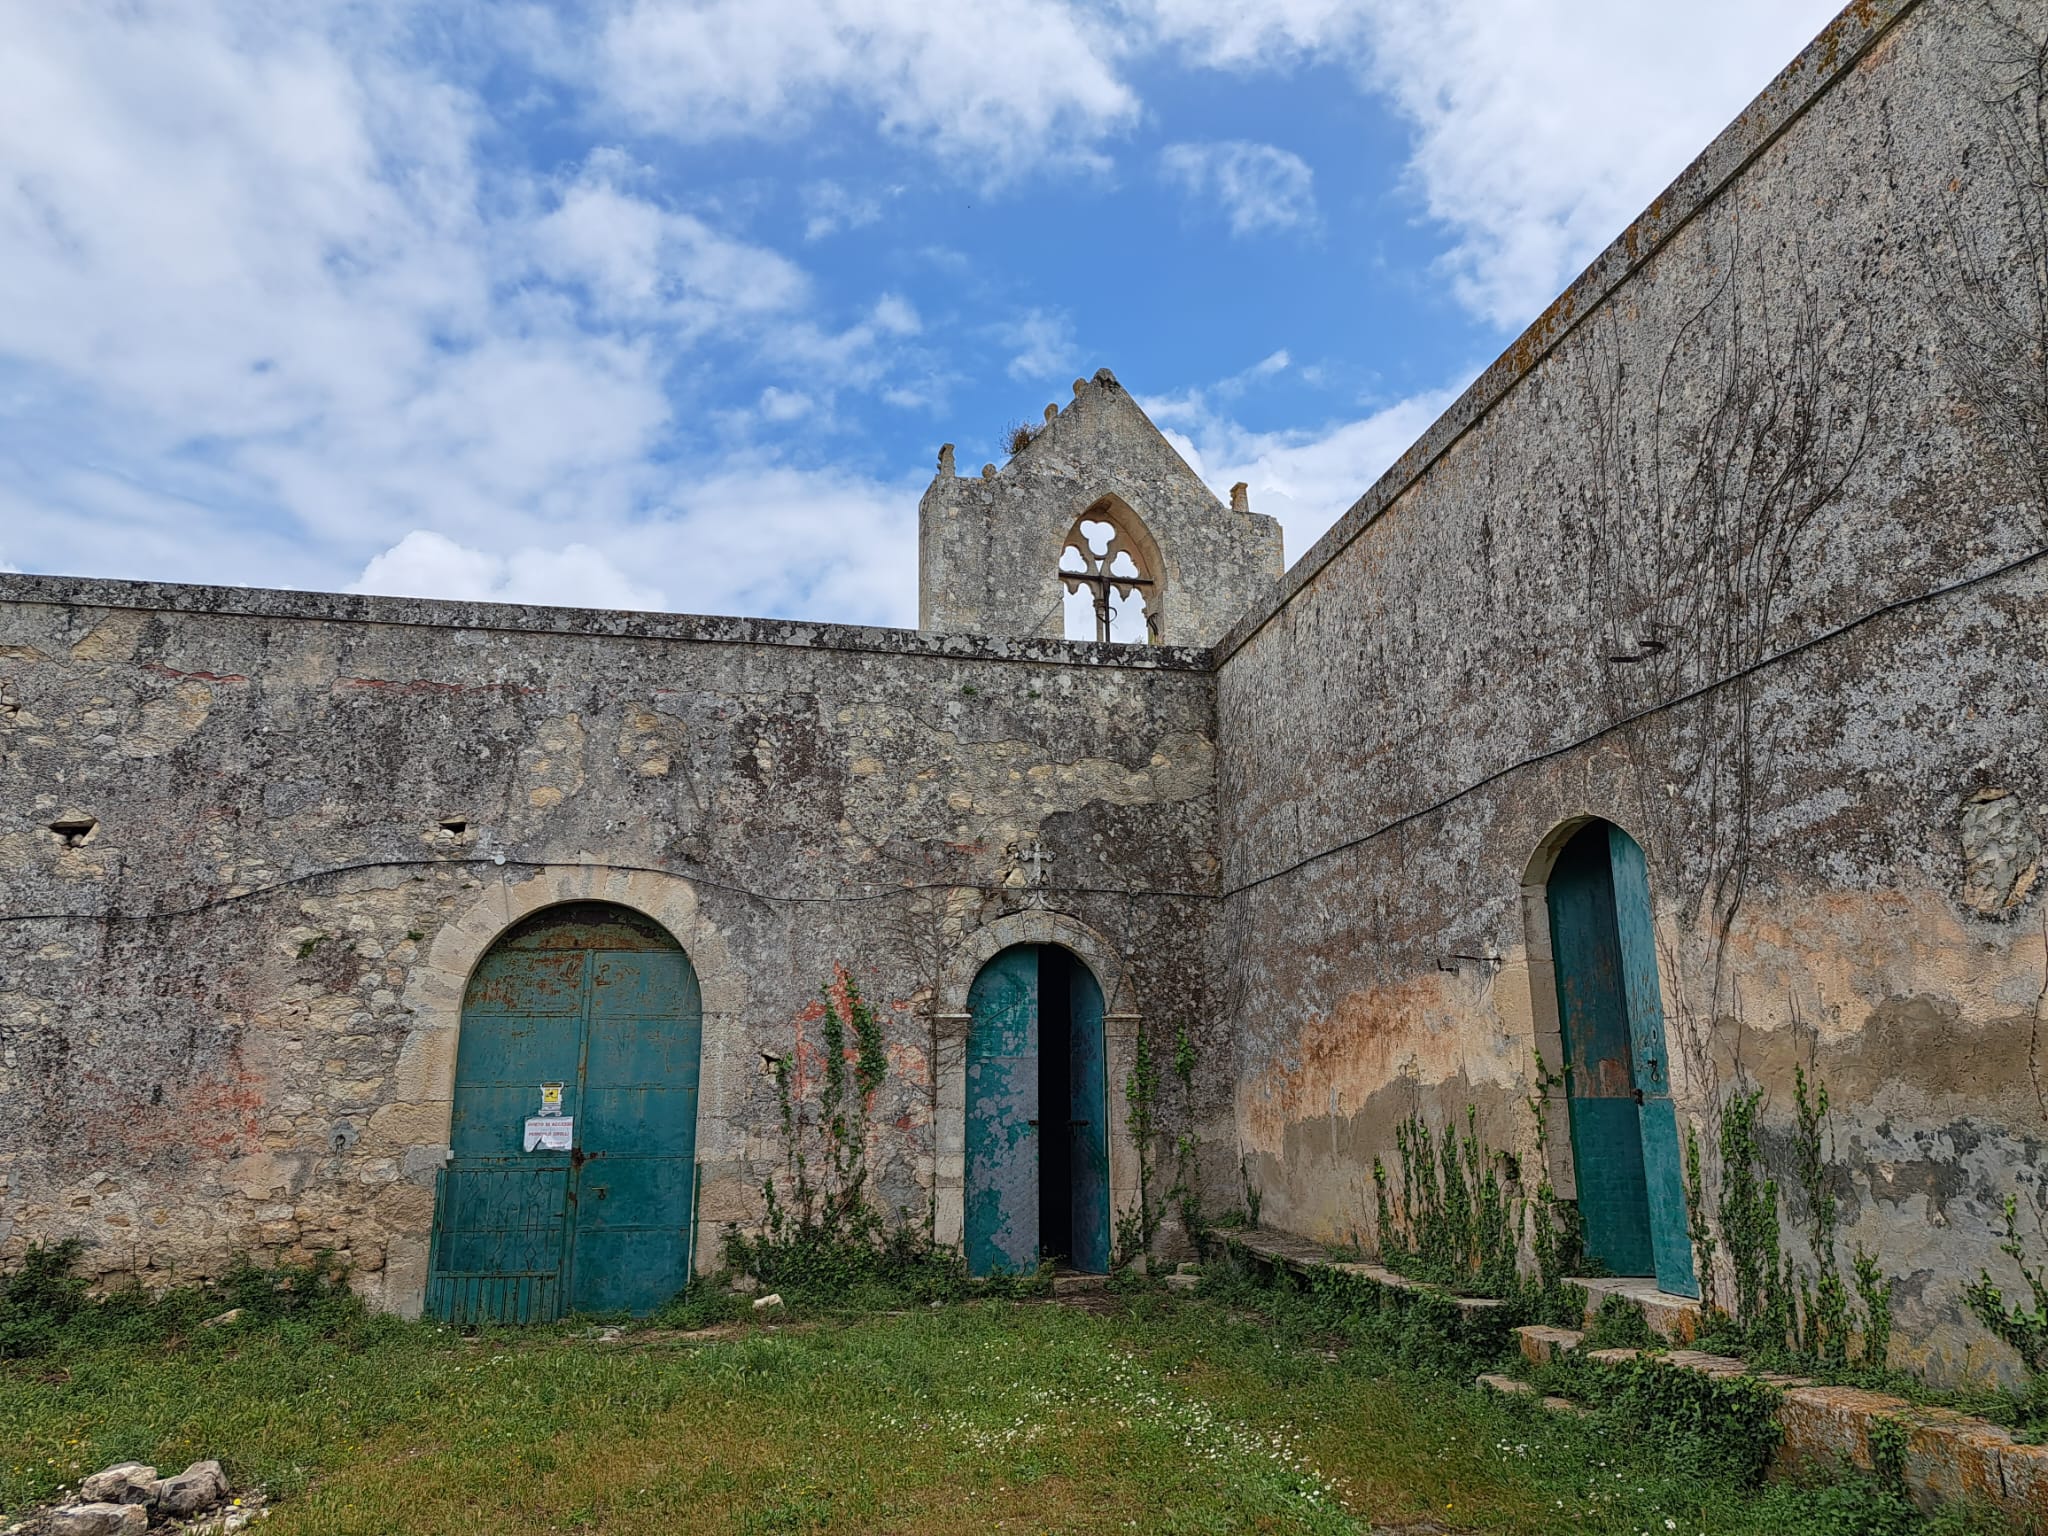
(1617, 1074)
(1037, 1115)
(532, 1220)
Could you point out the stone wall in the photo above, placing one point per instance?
(251, 844)
(1740, 547)
(989, 547)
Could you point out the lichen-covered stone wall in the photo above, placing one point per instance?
(251, 844)
(1739, 548)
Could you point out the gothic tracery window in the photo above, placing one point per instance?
(1110, 568)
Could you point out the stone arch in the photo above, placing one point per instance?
(1035, 925)
(1131, 544)
(1120, 1024)
(414, 1123)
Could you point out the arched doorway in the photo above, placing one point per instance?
(572, 1173)
(1037, 1115)
(1624, 1129)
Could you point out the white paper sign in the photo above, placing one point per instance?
(549, 1133)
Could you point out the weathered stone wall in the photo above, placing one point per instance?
(1740, 548)
(989, 547)
(228, 1010)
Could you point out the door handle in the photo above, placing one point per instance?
(1639, 1095)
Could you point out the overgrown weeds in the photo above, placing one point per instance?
(47, 1307)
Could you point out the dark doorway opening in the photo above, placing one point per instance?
(1056, 1103)
(1037, 1115)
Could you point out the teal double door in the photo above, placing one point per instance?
(1624, 1128)
(1037, 1115)
(532, 1219)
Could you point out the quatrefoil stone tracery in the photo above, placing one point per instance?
(1117, 569)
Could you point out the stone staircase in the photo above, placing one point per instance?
(1950, 1457)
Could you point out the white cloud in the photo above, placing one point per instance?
(1542, 126)
(637, 258)
(270, 320)
(1043, 343)
(425, 564)
(1545, 126)
(1239, 34)
(1307, 478)
(1257, 185)
(785, 404)
(830, 207)
(991, 88)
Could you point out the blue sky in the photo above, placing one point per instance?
(669, 303)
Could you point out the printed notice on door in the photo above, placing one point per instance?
(549, 1133)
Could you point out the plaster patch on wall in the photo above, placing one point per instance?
(2001, 852)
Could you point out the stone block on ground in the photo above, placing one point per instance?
(196, 1489)
(1183, 1282)
(126, 1482)
(1565, 1405)
(98, 1519)
(1541, 1345)
(1513, 1386)
(772, 1302)
(1673, 1318)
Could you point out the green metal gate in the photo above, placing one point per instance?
(602, 1002)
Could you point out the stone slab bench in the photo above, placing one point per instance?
(1304, 1257)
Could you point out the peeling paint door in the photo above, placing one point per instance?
(1607, 1149)
(1088, 1121)
(1002, 1115)
(1663, 1170)
(1617, 1079)
(604, 1002)
(638, 1139)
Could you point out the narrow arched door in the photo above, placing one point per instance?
(1624, 1127)
(572, 1176)
(1037, 1115)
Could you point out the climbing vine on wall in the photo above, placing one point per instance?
(1781, 1308)
(1456, 1217)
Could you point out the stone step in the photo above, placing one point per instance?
(1077, 1285)
(1304, 1257)
(1670, 1316)
(1950, 1457)
(1541, 1345)
(1512, 1386)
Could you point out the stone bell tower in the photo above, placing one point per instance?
(1097, 507)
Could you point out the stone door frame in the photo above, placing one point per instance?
(948, 1009)
(425, 1099)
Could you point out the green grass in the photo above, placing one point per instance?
(1151, 1414)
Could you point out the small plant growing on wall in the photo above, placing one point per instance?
(821, 1227)
(2022, 1324)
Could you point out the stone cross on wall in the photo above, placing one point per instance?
(1032, 860)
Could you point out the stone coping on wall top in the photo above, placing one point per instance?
(521, 618)
(1836, 51)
